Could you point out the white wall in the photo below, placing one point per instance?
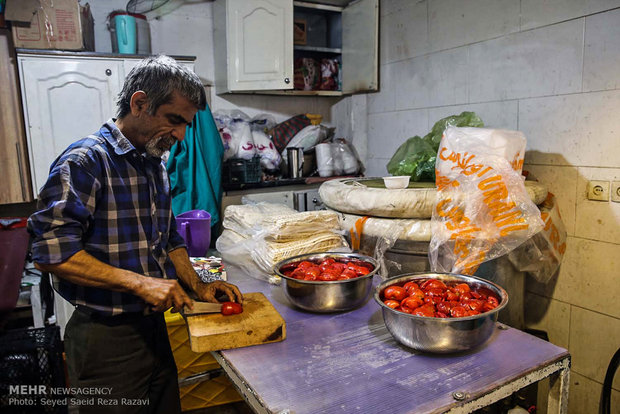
(552, 70)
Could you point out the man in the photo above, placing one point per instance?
(106, 232)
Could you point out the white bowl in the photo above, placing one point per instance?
(399, 181)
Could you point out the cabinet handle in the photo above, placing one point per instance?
(108, 72)
(287, 80)
(21, 173)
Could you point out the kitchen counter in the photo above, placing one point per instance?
(348, 362)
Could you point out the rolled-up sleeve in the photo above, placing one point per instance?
(66, 206)
(174, 240)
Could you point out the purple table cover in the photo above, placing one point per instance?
(349, 363)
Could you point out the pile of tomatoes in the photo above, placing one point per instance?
(327, 270)
(434, 298)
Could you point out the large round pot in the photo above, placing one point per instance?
(441, 335)
(332, 296)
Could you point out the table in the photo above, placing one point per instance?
(349, 363)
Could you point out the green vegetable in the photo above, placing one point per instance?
(416, 156)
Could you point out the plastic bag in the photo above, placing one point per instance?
(270, 158)
(482, 210)
(345, 160)
(234, 127)
(259, 235)
(310, 136)
(542, 255)
(416, 157)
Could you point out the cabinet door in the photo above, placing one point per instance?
(65, 99)
(15, 186)
(360, 38)
(260, 44)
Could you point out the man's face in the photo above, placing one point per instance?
(157, 133)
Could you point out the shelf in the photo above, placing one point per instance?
(336, 51)
(295, 92)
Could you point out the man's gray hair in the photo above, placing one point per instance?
(159, 77)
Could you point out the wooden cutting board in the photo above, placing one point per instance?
(259, 323)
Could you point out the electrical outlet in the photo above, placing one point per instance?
(598, 190)
(615, 191)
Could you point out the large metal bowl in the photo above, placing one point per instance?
(441, 335)
(333, 296)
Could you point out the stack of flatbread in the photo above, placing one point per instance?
(269, 233)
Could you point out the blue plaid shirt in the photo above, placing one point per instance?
(104, 197)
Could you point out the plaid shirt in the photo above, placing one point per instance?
(104, 197)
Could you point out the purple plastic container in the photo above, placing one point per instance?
(195, 228)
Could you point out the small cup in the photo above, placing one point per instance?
(399, 181)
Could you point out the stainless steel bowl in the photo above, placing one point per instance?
(333, 296)
(441, 335)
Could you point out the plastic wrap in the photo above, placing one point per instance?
(259, 235)
(234, 127)
(482, 209)
(542, 255)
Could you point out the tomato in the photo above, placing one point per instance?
(462, 288)
(417, 293)
(349, 273)
(390, 303)
(459, 312)
(425, 310)
(361, 270)
(326, 266)
(476, 304)
(441, 315)
(312, 272)
(404, 310)
(411, 302)
(434, 283)
(394, 292)
(435, 292)
(340, 267)
(451, 295)
(298, 273)
(310, 276)
(328, 261)
(231, 308)
(328, 276)
(410, 286)
(305, 264)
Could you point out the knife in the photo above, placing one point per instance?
(202, 307)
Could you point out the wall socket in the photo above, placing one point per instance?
(598, 190)
(615, 191)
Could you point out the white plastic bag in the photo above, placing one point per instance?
(270, 158)
(234, 127)
(482, 210)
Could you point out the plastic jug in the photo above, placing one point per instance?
(195, 228)
(125, 27)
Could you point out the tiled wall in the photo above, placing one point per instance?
(550, 69)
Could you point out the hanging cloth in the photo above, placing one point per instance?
(195, 168)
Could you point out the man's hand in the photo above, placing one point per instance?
(162, 294)
(205, 291)
(209, 291)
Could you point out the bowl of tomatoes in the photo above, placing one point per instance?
(440, 312)
(327, 282)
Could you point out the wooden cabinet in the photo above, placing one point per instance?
(14, 170)
(255, 52)
(66, 97)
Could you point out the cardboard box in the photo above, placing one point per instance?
(51, 24)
